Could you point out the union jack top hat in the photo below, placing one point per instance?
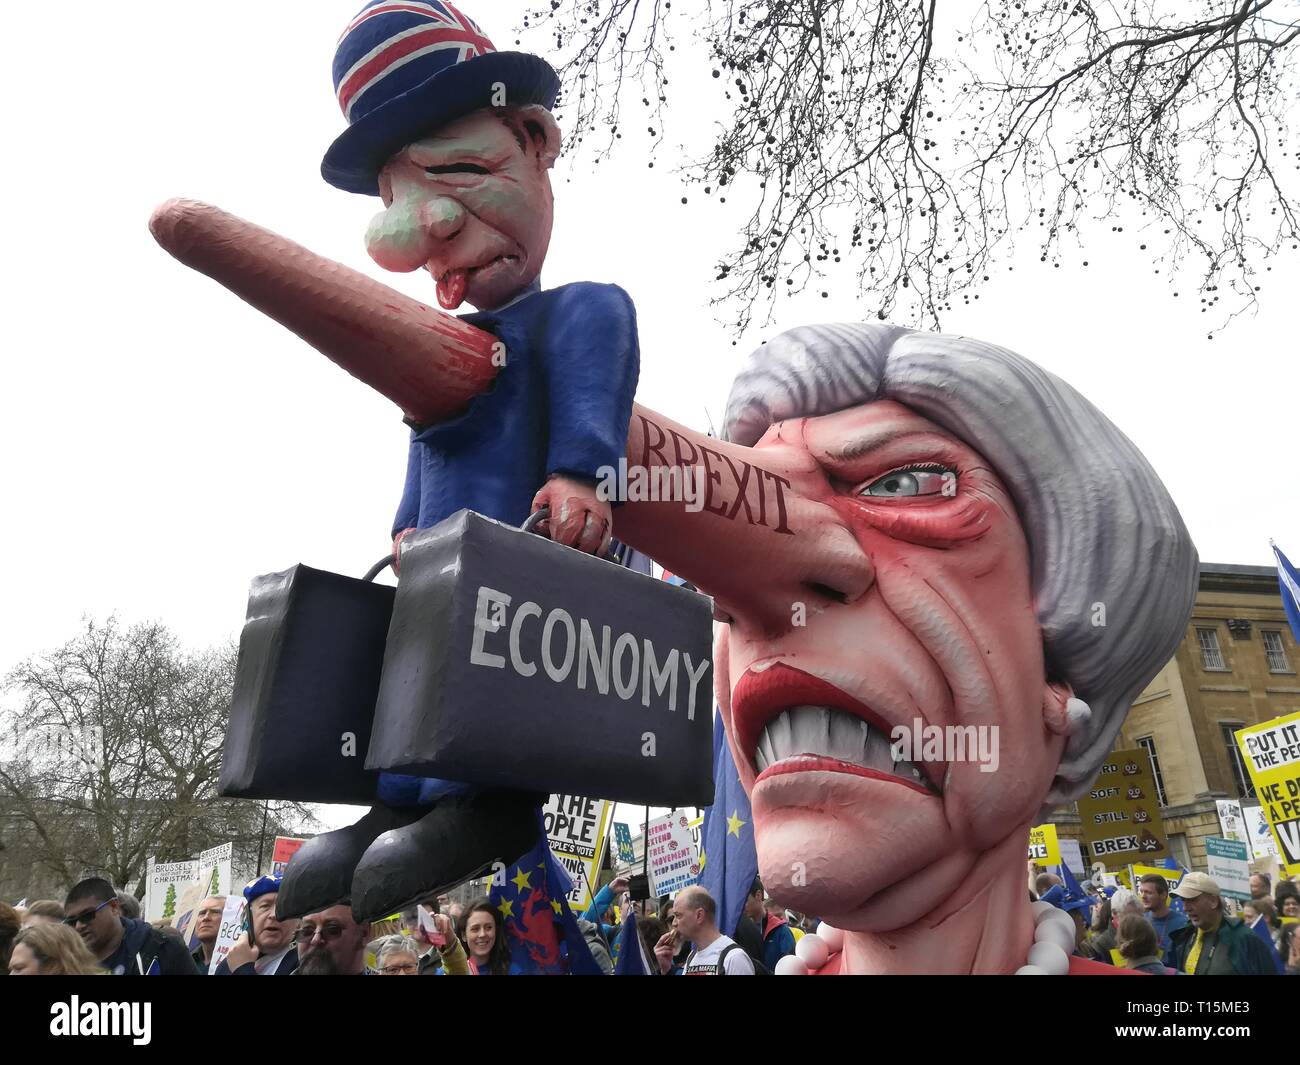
(405, 67)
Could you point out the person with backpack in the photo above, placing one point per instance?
(695, 920)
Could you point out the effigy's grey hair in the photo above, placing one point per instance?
(1101, 527)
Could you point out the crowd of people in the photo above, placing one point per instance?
(1187, 930)
(1154, 929)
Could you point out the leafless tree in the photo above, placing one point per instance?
(914, 144)
(110, 754)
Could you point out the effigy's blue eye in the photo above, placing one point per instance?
(913, 481)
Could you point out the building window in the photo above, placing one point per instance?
(1178, 849)
(1211, 656)
(1274, 651)
(1245, 788)
(1148, 744)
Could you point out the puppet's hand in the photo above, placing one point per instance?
(397, 550)
(578, 518)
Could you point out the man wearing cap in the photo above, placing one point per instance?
(457, 139)
(267, 948)
(1214, 944)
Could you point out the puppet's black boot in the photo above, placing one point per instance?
(461, 836)
(320, 873)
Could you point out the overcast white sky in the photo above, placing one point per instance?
(162, 443)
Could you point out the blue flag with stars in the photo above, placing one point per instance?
(533, 897)
(1288, 581)
(729, 862)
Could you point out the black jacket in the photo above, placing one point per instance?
(1246, 951)
(146, 951)
(288, 964)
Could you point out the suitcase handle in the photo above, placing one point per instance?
(379, 567)
(534, 519)
(613, 554)
(530, 525)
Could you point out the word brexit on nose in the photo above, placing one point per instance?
(732, 488)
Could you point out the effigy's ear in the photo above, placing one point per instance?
(540, 130)
(1063, 713)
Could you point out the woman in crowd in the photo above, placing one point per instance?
(1102, 934)
(1261, 918)
(51, 950)
(1291, 941)
(651, 930)
(1139, 947)
(482, 930)
(10, 922)
(43, 911)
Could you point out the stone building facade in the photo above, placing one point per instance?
(1236, 666)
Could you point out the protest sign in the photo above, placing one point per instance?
(163, 888)
(1271, 751)
(1228, 863)
(187, 906)
(1120, 814)
(232, 927)
(1232, 822)
(576, 830)
(215, 869)
(623, 841)
(1172, 876)
(284, 848)
(1072, 857)
(1259, 833)
(1044, 850)
(674, 861)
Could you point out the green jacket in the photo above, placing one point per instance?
(1246, 951)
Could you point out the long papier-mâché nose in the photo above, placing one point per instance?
(738, 523)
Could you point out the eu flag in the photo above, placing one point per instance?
(631, 959)
(1289, 582)
(532, 895)
(729, 862)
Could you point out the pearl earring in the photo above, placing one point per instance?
(1077, 715)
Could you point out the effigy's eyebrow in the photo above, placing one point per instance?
(864, 445)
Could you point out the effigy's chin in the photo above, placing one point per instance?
(834, 844)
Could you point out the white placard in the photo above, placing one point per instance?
(674, 861)
(232, 927)
(1259, 835)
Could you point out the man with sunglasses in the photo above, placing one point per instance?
(124, 946)
(332, 943)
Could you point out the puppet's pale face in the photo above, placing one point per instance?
(471, 206)
(941, 628)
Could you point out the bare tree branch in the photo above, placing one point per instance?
(868, 134)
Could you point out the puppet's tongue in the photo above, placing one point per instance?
(451, 288)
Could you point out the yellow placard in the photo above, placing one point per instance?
(1172, 876)
(1120, 814)
(1044, 847)
(1271, 751)
(1117, 959)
